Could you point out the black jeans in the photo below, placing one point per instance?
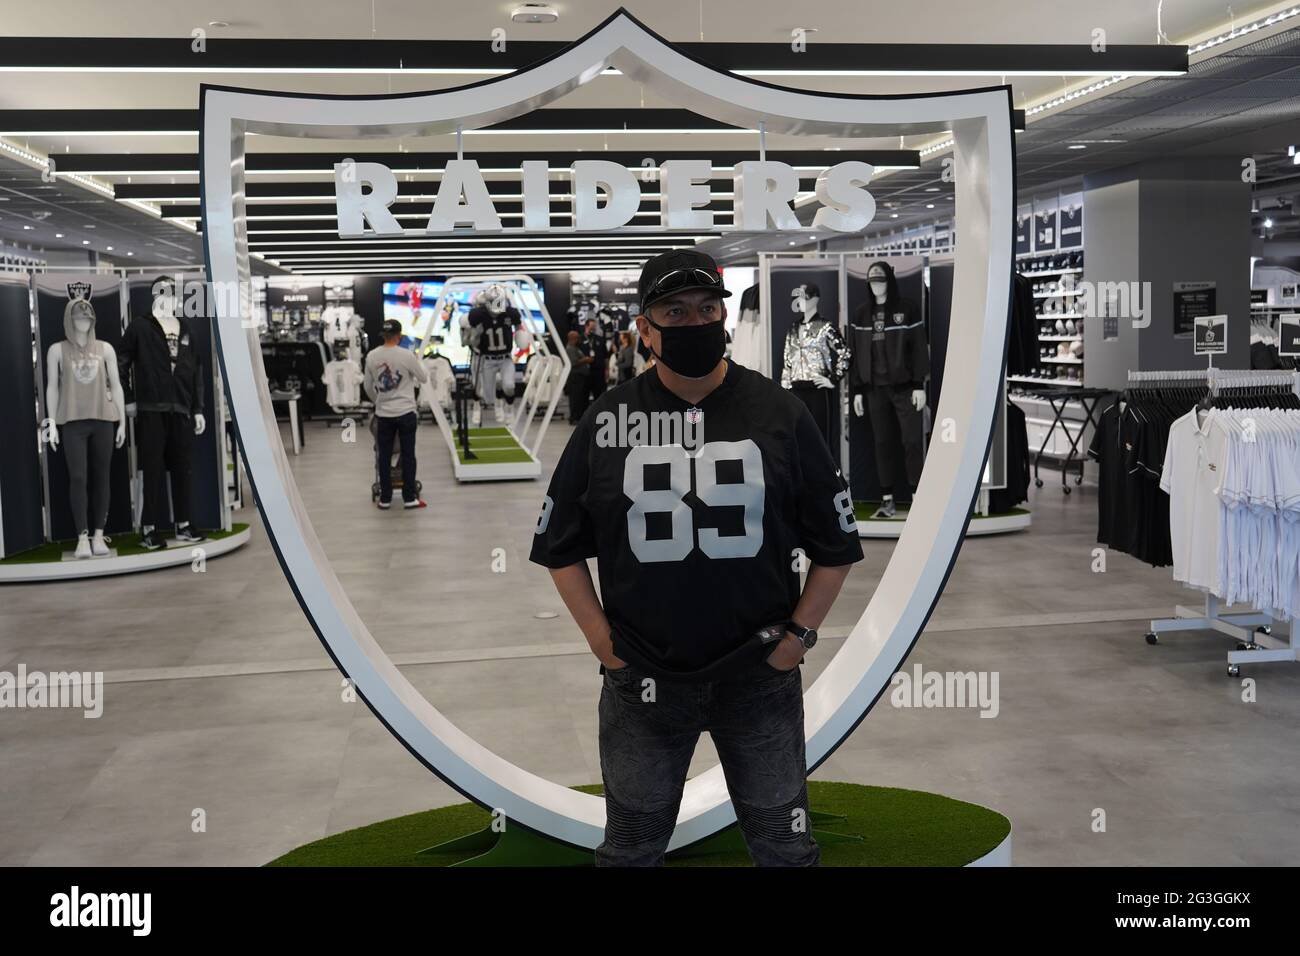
(648, 731)
(402, 427)
(165, 441)
(88, 447)
(896, 423)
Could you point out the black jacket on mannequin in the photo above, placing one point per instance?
(907, 353)
(145, 363)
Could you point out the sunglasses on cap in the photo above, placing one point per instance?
(679, 279)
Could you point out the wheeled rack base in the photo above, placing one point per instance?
(1252, 629)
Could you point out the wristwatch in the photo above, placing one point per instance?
(807, 635)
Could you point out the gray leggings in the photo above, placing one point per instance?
(88, 446)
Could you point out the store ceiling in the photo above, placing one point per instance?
(1242, 104)
(147, 168)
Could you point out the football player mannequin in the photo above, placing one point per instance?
(815, 360)
(83, 394)
(493, 323)
(157, 356)
(891, 360)
(696, 527)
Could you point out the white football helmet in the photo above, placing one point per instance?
(495, 299)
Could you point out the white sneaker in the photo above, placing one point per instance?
(476, 416)
(98, 547)
(83, 546)
(499, 412)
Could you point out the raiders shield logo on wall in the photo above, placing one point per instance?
(79, 290)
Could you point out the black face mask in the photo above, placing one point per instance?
(692, 351)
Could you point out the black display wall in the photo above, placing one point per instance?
(21, 527)
(864, 480)
(52, 297)
(207, 483)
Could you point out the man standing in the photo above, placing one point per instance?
(595, 348)
(576, 385)
(391, 374)
(699, 538)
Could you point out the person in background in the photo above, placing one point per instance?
(593, 345)
(576, 385)
(626, 356)
(391, 374)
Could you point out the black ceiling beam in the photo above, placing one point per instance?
(45, 122)
(324, 162)
(107, 53)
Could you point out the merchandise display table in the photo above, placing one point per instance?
(854, 825)
(1059, 397)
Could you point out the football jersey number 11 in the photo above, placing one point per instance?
(748, 493)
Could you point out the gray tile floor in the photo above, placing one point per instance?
(221, 699)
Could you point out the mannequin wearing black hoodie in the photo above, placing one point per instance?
(891, 360)
(167, 388)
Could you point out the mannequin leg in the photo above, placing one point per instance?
(884, 432)
(819, 407)
(76, 452)
(487, 385)
(180, 445)
(151, 440)
(508, 380)
(910, 427)
(101, 459)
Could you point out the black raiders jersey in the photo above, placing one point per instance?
(497, 335)
(698, 517)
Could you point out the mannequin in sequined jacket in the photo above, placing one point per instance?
(816, 358)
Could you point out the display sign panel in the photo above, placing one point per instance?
(1211, 334)
(1191, 301)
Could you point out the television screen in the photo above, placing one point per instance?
(414, 305)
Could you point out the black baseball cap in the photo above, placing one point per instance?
(392, 327)
(677, 271)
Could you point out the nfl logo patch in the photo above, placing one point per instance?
(693, 415)
(79, 290)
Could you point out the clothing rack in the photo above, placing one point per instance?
(1252, 629)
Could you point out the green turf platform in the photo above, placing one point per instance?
(126, 544)
(855, 825)
(492, 446)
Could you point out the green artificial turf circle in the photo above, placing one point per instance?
(898, 828)
(127, 543)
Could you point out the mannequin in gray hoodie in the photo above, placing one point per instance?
(83, 396)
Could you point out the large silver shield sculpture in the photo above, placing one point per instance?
(979, 122)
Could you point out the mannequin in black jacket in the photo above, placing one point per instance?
(891, 360)
(157, 358)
